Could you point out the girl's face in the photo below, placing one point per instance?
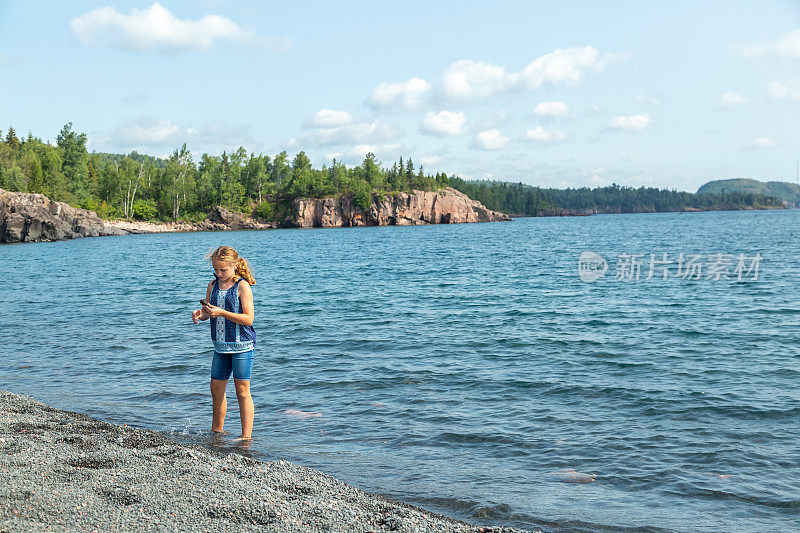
(223, 270)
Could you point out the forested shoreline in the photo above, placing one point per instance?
(783, 190)
(526, 200)
(142, 187)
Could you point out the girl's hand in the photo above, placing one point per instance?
(196, 314)
(212, 310)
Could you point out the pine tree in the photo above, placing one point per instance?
(410, 171)
(72, 147)
(92, 173)
(11, 139)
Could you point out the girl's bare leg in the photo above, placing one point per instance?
(220, 403)
(245, 406)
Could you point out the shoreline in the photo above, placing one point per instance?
(68, 471)
(136, 227)
(591, 212)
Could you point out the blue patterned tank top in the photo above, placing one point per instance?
(230, 337)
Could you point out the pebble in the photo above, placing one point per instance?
(131, 479)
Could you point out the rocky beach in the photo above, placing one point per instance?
(65, 471)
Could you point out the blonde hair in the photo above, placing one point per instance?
(226, 254)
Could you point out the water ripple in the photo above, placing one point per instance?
(465, 368)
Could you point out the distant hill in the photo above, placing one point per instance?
(782, 190)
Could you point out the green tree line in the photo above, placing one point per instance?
(138, 186)
(143, 187)
(521, 199)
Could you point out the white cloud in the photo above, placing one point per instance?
(328, 118)
(642, 98)
(161, 137)
(492, 119)
(732, 100)
(542, 135)
(631, 123)
(357, 133)
(409, 95)
(431, 161)
(784, 91)
(382, 151)
(5, 59)
(221, 134)
(551, 109)
(443, 123)
(490, 140)
(589, 172)
(561, 175)
(565, 65)
(333, 155)
(136, 98)
(288, 144)
(156, 28)
(760, 144)
(468, 80)
(787, 46)
(150, 133)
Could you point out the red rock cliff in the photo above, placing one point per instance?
(445, 206)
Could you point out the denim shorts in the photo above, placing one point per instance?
(240, 363)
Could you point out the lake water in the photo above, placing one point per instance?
(464, 368)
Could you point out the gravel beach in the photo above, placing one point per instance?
(65, 471)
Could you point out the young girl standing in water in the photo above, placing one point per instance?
(229, 305)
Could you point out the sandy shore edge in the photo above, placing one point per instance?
(136, 226)
(65, 471)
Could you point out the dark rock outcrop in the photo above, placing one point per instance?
(446, 206)
(28, 217)
(220, 218)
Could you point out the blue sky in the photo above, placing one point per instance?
(556, 94)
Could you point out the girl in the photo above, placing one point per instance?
(229, 305)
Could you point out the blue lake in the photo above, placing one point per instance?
(464, 368)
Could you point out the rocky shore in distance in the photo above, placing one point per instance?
(444, 206)
(218, 219)
(28, 217)
(65, 471)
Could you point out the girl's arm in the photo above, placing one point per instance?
(246, 299)
(201, 314)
